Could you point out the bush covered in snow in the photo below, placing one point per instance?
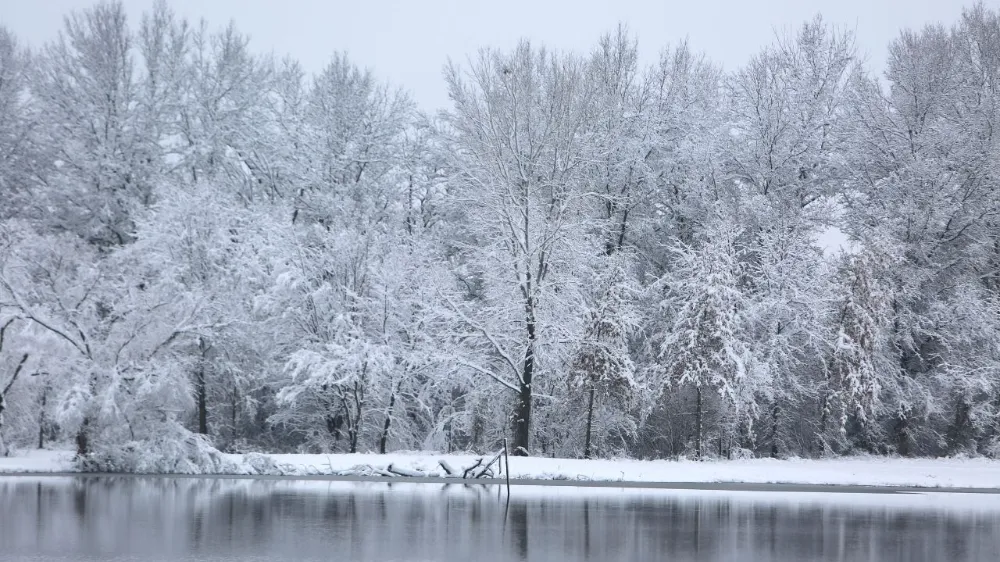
(256, 463)
(180, 452)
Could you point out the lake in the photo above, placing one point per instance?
(206, 519)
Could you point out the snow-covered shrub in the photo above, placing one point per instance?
(256, 463)
(174, 452)
(992, 449)
(740, 453)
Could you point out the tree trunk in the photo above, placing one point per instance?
(388, 421)
(522, 418)
(82, 438)
(3, 446)
(590, 424)
(41, 417)
(235, 403)
(3, 396)
(960, 433)
(354, 425)
(202, 401)
(901, 433)
(202, 391)
(775, 412)
(522, 421)
(698, 423)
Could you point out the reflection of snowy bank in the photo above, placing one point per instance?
(875, 471)
(165, 518)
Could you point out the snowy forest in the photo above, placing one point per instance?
(205, 246)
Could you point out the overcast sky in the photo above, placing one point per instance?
(407, 42)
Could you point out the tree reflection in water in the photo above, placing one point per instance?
(221, 519)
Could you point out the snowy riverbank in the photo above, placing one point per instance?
(865, 471)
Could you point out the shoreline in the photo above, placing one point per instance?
(842, 474)
(731, 486)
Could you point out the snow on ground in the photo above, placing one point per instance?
(38, 460)
(874, 471)
(871, 471)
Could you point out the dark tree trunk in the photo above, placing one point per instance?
(201, 390)
(819, 440)
(42, 422)
(960, 434)
(901, 432)
(775, 412)
(83, 438)
(3, 394)
(354, 421)
(388, 422)
(698, 423)
(522, 418)
(234, 411)
(3, 445)
(590, 424)
(202, 401)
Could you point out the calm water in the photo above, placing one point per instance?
(110, 518)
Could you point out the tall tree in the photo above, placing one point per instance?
(518, 124)
(86, 89)
(18, 152)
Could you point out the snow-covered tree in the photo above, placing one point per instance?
(86, 87)
(602, 366)
(924, 184)
(707, 344)
(858, 366)
(205, 246)
(18, 150)
(9, 379)
(518, 124)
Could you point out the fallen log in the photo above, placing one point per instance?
(448, 469)
(467, 471)
(488, 467)
(400, 471)
(486, 471)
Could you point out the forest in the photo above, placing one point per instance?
(205, 248)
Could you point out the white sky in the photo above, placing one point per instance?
(408, 42)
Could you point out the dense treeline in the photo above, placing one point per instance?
(203, 246)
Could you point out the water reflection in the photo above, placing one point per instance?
(216, 519)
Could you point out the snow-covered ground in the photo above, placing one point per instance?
(872, 471)
(38, 461)
(875, 471)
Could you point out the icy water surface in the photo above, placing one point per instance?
(138, 518)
